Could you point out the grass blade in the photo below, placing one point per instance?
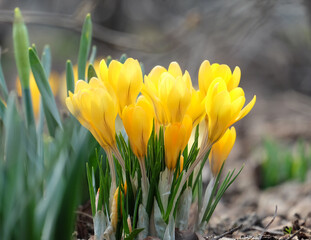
(49, 104)
(70, 79)
(46, 60)
(85, 45)
(93, 55)
(3, 86)
(91, 72)
(21, 44)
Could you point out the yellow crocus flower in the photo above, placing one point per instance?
(224, 108)
(207, 74)
(176, 137)
(94, 107)
(126, 80)
(221, 149)
(196, 108)
(63, 88)
(138, 120)
(169, 91)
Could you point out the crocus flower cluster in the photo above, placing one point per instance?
(163, 99)
(167, 99)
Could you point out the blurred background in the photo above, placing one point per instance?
(269, 40)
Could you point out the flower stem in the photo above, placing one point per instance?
(112, 171)
(118, 156)
(191, 169)
(145, 181)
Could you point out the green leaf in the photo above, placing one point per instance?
(21, 44)
(134, 234)
(2, 109)
(93, 55)
(200, 170)
(142, 68)
(130, 193)
(85, 45)
(119, 222)
(108, 60)
(91, 72)
(224, 186)
(27, 101)
(49, 104)
(70, 79)
(172, 198)
(123, 58)
(91, 189)
(137, 203)
(46, 60)
(3, 86)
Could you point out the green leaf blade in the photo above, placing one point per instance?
(50, 107)
(85, 45)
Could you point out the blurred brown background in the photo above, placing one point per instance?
(269, 40)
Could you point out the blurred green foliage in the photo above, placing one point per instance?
(41, 172)
(282, 163)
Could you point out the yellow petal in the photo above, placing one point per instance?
(174, 69)
(173, 140)
(236, 93)
(205, 77)
(130, 83)
(103, 71)
(235, 79)
(246, 109)
(176, 137)
(113, 73)
(196, 109)
(221, 149)
(138, 121)
(155, 75)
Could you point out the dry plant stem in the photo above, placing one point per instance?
(228, 232)
(268, 225)
(199, 158)
(295, 234)
(191, 169)
(144, 178)
(112, 171)
(118, 156)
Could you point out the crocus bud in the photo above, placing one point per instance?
(126, 80)
(169, 91)
(221, 149)
(96, 110)
(176, 137)
(138, 120)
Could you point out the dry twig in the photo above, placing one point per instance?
(228, 232)
(268, 225)
(296, 233)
